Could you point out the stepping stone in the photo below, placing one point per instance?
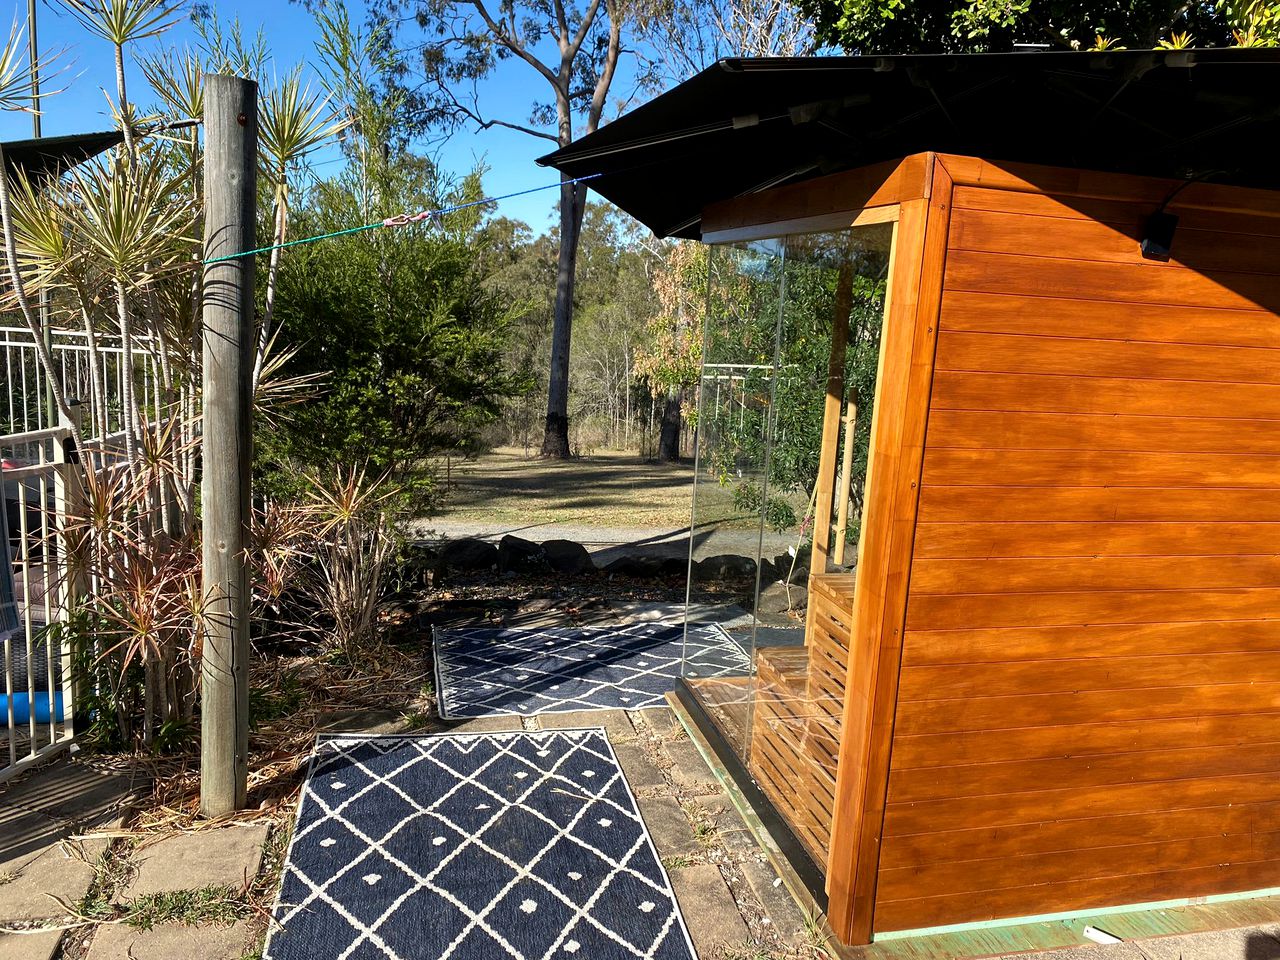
(62, 870)
(191, 861)
(29, 946)
(171, 941)
(641, 772)
(708, 908)
(671, 830)
(362, 721)
(501, 724)
(660, 720)
(616, 725)
(688, 767)
(785, 915)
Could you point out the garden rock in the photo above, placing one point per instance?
(729, 566)
(468, 554)
(565, 556)
(775, 598)
(640, 567)
(516, 553)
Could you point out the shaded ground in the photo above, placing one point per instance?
(612, 503)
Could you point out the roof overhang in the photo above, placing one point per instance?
(51, 156)
(746, 125)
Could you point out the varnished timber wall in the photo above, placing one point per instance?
(1088, 710)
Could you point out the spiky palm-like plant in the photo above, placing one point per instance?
(293, 121)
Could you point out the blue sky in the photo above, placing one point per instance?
(88, 68)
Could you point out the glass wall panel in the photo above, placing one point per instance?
(782, 450)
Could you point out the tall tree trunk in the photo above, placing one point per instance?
(669, 438)
(573, 204)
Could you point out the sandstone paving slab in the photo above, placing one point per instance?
(171, 941)
(1249, 943)
(616, 724)
(62, 872)
(25, 835)
(687, 766)
(190, 861)
(709, 909)
(671, 830)
(785, 915)
(486, 725)
(661, 721)
(362, 721)
(642, 773)
(29, 946)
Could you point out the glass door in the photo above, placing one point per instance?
(791, 350)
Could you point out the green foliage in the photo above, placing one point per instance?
(403, 323)
(932, 26)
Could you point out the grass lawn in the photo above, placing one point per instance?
(606, 490)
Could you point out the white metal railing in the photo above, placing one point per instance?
(24, 405)
(37, 476)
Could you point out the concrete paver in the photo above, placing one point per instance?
(660, 721)
(785, 916)
(74, 792)
(60, 872)
(29, 946)
(709, 909)
(615, 722)
(190, 861)
(171, 941)
(641, 772)
(484, 725)
(670, 828)
(688, 767)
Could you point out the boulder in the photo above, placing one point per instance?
(468, 554)
(634, 567)
(729, 566)
(516, 553)
(775, 598)
(566, 556)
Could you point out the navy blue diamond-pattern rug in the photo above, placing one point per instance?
(485, 671)
(490, 846)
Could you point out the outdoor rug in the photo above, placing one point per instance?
(484, 672)
(481, 846)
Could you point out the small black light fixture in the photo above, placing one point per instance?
(1157, 235)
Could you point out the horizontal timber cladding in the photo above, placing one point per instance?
(1088, 712)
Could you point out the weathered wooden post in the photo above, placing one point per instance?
(230, 169)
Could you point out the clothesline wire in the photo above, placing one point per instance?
(398, 220)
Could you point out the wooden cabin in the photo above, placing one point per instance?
(1049, 686)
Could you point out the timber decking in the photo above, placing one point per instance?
(1088, 706)
(799, 704)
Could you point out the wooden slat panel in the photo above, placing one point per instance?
(1033, 539)
(947, 577)
(1035, 315)
(1110, 211)
(1080, 895)
(1107, 282)
(1070, 431)
(916, 717)
(1090, 739)
(1070, 803)
(1086, 240)
(1043, 393)
(1001, 175)
(996, 610)
(986, 645)
(952, 681)
(1061, 504)
(1089, 468)
(1072, 356)
(1025, 776)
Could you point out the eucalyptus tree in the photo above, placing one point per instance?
(570, 51)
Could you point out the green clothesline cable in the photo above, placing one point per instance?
(396, 221)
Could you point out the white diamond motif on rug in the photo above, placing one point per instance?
(484, 671)
(441, 851)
